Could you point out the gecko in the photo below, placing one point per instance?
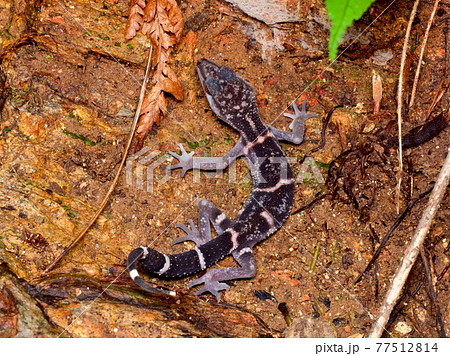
(233, 101)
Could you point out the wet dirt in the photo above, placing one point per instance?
(71, 85)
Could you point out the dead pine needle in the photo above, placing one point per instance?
(412, 251)
(400, 104)
(116, 178)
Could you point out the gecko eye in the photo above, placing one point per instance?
(227, 73)
(213, 86)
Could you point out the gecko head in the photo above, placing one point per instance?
(230, 96)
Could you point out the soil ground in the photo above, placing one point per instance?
(67, 106)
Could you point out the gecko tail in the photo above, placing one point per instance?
(135, 255)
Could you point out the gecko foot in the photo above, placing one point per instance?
(211, 286)
(193, 234)
(186, 160)
(299, 116)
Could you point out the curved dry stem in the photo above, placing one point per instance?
(116, 178)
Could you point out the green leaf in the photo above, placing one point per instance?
(342, 13)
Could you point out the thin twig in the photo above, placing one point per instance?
(413, 250)
(432, 292)
(422, 51)
(324, 129)
(391, 230)
(400, 103)
(116, 178)
(318, 197)
(444, 271)
(443, 86)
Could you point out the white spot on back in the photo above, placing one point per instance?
(244, 250)
(200, 258)
(280, 183)
(166, 265)
(260, 140)
(220, 218)
(234, 237)
(270, 221)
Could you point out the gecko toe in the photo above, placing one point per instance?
(174, 154)
(193, 234)
(213, 287)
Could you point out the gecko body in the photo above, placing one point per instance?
(233, 101)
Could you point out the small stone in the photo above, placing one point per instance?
(263, 295)
(403, 328)
(369, 127)
(382, 57)
(339, 321)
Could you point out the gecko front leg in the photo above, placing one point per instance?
(297, 125)
(187, 161)
(213, 279)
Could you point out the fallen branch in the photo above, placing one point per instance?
(412, 251)
(116, 178)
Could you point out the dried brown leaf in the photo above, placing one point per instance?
(153, 107)
(149, 29)
(175, 18)
(156, 95)
(147, 121)
(135, 18)
(150, 11)
(170, 21)
(162, 22)
(169, 83)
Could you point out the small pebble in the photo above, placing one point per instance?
(403, 328)
(263, 295)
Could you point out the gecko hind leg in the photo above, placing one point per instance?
(208, 212)
(213, 279)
